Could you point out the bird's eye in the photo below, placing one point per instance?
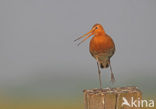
(96, 27)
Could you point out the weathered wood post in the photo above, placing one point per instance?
(112, 98)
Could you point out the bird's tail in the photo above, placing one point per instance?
(104, 64)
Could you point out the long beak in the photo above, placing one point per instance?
(84, 36)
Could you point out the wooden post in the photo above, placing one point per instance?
(112, 98)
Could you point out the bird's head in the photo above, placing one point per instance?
(96, 30)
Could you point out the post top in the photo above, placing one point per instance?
(129, 89)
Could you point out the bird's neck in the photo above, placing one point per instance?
(100, 34)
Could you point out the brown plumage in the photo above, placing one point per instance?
(101, 47)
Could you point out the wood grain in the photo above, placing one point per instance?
(111, 98)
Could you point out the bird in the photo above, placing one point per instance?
(101, 47)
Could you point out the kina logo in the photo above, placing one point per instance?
(137, 102)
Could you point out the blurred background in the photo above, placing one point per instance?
(41, 66)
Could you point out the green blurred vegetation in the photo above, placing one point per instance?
(65, 92)
(44, 103)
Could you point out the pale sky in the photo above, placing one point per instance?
(36, 38)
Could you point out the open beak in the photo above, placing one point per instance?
(90, 33)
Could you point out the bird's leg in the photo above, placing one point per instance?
(112, 75)
(99, 72)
